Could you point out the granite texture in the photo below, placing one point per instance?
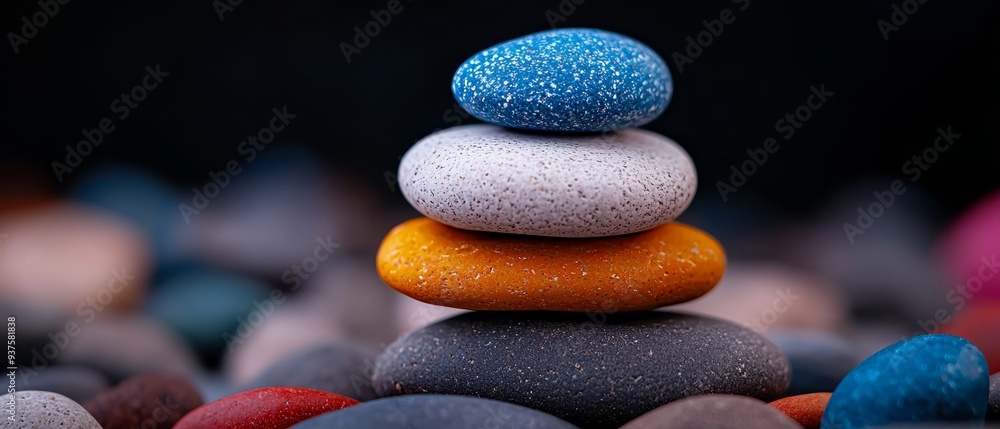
(574, 79)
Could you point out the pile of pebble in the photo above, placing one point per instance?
(555, 224)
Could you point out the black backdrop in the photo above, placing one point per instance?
(939, 69)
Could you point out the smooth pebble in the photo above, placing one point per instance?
(145, 401)
(36, 409)
(594, 369)
(574, 79)
(807, 410)
(487, 178)
(441, 265)
(714, 412)
(435, 411)
(267, 407)
(929, 378)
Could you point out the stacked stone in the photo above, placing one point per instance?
(555, 222)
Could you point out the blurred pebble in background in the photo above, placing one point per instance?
(765, 296)
(203, 304)
(73, 259)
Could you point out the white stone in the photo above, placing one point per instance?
(36, 409)
(487, 178)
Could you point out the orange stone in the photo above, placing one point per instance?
(805, 409)
(441, 265)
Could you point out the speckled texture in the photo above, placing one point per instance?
(487, 178)
(807, 410)
(441, 265)
(593, 370)
(36, 409)
(341, 369)
(923, 379)
(76, 382)
(714, 412)
(150, 401)
(574, 79)
(820, 360)
(437, 412)
(993, 410)
(264, 408)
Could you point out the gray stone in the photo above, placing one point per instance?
(342, 369)
(714, 412)
(435, 411)
(589, 369)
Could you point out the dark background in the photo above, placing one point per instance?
(939, 69)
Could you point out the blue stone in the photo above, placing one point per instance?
(929, 378)
(820, 359)
(574, 79)
(203, 305)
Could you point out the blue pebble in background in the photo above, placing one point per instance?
(820, 360)
(929, 378)
(575, 79)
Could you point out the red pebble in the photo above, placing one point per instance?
(806, 410)
(978, 322)
(264, 408)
